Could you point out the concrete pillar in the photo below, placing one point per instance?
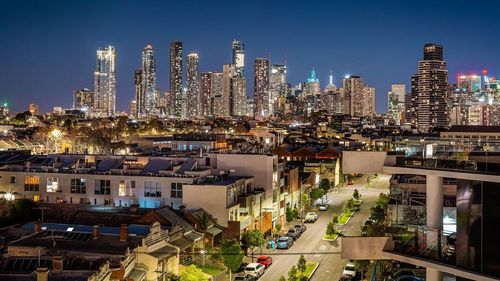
(434, 190)
(434, 215)
(432, 274)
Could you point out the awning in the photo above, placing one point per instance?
(137, 275)
(194, 236)
(214, 231)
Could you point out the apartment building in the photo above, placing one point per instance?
(148, 182)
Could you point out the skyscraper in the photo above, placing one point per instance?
(217, 90)
(149, 80)
(140, 105)
(239, 57)
(359, 99)
(228, 72)
(176, 78)
(277, 86)
(105, 82)
(206, 94)
(239, 96)
(431, 86)
(261, 87)
(194, 100)
(396, 103)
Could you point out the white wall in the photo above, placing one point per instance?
(363, 162)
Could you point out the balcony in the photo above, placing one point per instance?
(481, 157)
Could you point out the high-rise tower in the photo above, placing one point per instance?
(239, 57)
(105, 82)
(429, 88)
(176, 78)
(140, 108)
(149, 80)
(261, 87)
(194, 99)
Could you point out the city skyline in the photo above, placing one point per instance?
(214, 48)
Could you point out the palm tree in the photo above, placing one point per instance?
(205, 221)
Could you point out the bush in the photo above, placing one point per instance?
(356, 195)
(330, 228)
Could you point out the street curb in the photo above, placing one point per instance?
(330, 240)
(314, 270)
(352, 214)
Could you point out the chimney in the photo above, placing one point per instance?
(42, 274)
(123, 232)
(57, 264)
(95, 232)
(38, 226)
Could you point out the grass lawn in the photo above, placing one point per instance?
(344, 217)
(331, 237)
(310, 266)
(357, 203)
(211, 270)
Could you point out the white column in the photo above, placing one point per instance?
(434, 190)
(432, 274)
(434, 198)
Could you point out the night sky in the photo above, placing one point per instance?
(47, 48)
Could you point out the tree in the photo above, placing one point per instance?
(289, 214)
(356, 195)
(383, 200)
(192, 273)
(253, 238)
(301, 265)
(335, 219)
(205, 221)
(350, 204)
(330, 229)
(413, 216)
(293, 274)
(362, 266)
(282, 278)
(232, 256)
(305, 201)
(325, 185)
(378, 213)
(317, 193)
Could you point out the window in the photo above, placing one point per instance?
(121, 188)
(103, 187)
(12, 179)
(176, 190)
(152, 189)
(78, 186)
(31, 183)
(53, 184)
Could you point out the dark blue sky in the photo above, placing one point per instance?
(47, 48)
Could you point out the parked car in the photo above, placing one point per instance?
(293, 233)
(255, 269)
(349, 270)
(311, 217)
(241, 268)
(323, 207)
(265, 261)
(300, 227)
(285, 242)
(244, 277)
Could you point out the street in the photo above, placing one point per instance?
(325, 252)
